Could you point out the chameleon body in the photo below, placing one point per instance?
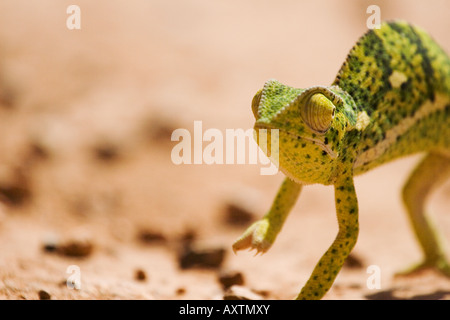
(391, 98)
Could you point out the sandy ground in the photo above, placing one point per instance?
(86, 177)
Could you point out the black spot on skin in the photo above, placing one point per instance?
(403, 86)
(426, 63)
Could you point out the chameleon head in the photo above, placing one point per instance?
(311, 127)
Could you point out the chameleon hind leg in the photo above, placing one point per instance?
(433, 170)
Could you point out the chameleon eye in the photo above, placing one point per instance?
(255, 103)
(318, 112)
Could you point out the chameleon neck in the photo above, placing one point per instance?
(399, 79)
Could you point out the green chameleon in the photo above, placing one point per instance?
(391, 98)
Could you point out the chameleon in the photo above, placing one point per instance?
(390, 99)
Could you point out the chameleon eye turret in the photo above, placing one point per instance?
(318, 112)
(255, 103)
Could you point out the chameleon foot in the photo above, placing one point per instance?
(441, 266)
(258, 236)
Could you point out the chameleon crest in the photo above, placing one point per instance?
(391, 98)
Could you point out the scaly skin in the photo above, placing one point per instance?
(390, 99)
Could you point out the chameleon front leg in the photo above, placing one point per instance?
(331, 262)
(429, 174)
(261, 234)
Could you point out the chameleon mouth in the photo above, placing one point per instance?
(315, 141)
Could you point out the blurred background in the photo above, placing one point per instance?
(86, 178)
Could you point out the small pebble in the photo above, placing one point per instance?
(44, 295)
(180, 291)
(50, 247)
(8, 97)
(106, 152)
(76, 248)
(51, 243)
(353, 262)
(140, 275)
(38, 151)
(15, 195)
(230, 278)
(158, 129)
(237, 214)
(149, 236)
(71, 248)
(201, 257)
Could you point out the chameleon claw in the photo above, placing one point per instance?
(256, 237)
(257, 252)
(440, 266)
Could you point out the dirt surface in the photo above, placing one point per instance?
(86, 178)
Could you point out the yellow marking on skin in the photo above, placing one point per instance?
(380, 148)
(397, 79)
(362, 121)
